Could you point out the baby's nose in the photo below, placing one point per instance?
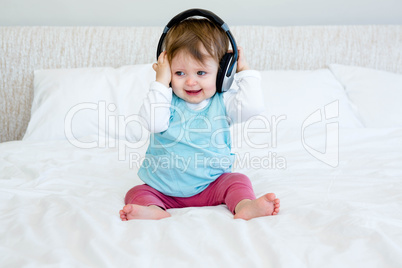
(191, 81)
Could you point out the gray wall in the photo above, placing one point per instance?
(234, 12)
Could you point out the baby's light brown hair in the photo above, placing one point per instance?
(191, 33)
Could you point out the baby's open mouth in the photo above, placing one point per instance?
(193, 92)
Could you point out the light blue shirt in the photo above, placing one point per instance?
(193, 152)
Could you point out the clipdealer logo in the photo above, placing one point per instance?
(111, 127)
(330, 155)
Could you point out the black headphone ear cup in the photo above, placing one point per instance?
(223, 66)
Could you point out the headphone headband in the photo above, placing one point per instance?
(206, 14)
(195, 12)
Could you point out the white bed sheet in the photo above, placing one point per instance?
(59, 208)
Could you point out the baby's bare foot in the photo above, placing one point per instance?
(131, 211)
(266, 205)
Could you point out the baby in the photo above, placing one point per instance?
(188, 162)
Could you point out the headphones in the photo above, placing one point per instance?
(228, 63)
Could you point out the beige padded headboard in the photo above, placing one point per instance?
(25, 49)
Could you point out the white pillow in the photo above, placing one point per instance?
(93, 100)
(300, 94)
(376, 94)
(92, 104)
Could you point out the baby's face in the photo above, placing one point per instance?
(193, 81)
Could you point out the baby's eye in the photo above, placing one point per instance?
(179, 73)
(201, 73)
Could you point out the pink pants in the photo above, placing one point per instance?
(229, 189)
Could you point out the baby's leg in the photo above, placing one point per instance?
(144, 202)
(236, 191)
(266, 205)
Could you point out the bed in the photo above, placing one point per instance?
(329, 145)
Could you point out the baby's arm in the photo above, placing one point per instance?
(246, 101)
(155, 110)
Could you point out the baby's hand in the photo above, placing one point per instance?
(162, 69)
(241, 61)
